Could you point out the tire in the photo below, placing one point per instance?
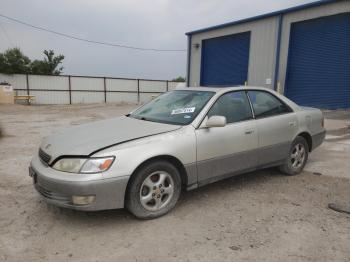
(297, 157)
(153, 190)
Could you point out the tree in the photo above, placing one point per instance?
(179, 79)
(49, 65)
(13, 61)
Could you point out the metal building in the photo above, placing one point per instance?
(303, 52)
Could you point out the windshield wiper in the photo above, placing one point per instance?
(139, 117)
(148, 119)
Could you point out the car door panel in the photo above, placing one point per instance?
(275, 137)
(226, 150)
(276, 124)
(232, 148)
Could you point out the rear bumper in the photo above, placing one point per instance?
(318, 139)
(109, 193)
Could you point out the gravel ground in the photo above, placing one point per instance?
(260, 216)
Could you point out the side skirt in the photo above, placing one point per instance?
(229, 175)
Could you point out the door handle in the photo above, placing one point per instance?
(249, 131)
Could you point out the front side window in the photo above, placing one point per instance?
(178, 107)
(234, 106)
(266, 104)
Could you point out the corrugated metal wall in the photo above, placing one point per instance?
(262, 50)
(121, 90)
(47, 89)
(87, 90)
(263, 43)
(81, 89)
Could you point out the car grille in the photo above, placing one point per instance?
(53, 195)
(44, 156)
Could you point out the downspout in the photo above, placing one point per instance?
(188, 73)
(278, 51)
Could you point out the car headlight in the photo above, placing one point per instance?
(84, 165)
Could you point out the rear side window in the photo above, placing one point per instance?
(234, 106)
(266, 104)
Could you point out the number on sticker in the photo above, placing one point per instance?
(183, 110)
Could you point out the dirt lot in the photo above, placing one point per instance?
(261, 216)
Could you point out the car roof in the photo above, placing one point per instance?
(220, 90)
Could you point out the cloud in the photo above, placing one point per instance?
(153, 24)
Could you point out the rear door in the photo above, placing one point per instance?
(277, 126)
(230, 149)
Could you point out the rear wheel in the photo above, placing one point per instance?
(297, 158)
(153, 190)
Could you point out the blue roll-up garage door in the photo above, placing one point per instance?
(318, 72)
(225, 60)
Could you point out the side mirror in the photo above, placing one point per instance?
(216, 121)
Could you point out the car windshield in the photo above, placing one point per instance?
(178, 107)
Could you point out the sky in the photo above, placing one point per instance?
(159, 24)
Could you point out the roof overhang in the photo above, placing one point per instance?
(255, 18)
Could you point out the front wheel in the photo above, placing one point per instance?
(154, 190)
(297, 158)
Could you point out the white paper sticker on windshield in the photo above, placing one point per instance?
(183, 110)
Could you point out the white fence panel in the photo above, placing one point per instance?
(145, 97)
(155, 87)
(16, 80)
(121, 97)
(50, 97)
(152, 86)
(121, 84)
(21, 92)
(48, 82)
(87, 89)
(87, 83)
(174, 85)
(87, 97)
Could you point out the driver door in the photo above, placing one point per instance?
(225, 151)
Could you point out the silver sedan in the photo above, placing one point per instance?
(182, 139)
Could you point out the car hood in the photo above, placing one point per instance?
(89, 138)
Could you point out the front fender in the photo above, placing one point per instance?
(180, 144)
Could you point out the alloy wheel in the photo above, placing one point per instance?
(156, 191)
(297, 156)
